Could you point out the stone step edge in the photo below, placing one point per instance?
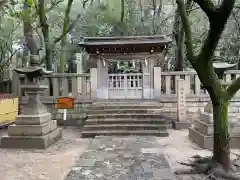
(134, 109)
(124, 131)
(127, 114)
(125, 125)
(132, 120)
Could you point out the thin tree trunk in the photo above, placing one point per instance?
(122, 18)
(28, 32)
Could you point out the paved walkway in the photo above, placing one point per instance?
(122, 158)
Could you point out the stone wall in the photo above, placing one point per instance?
(169, 108)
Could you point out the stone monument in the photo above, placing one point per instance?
(181, 122)
(33, 127)
(201, 131)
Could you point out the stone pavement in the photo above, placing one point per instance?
(122, 158)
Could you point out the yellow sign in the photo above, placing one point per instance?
(65, 103)
(8, 111)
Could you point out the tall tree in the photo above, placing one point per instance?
(27, 15)
(203, 64)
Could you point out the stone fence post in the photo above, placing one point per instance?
(15, 87)
(157, 82)
(94, 83)
(80, 80)
(181, 122)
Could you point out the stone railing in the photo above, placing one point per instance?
(60, 84)
(193, 86)
(83, 86)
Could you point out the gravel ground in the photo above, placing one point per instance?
(178, 148)
(56, 161)
(52, 163)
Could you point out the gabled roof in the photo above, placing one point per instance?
(139, 43)
(124, 40)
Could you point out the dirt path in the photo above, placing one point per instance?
(51, 164)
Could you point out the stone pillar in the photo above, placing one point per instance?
(94, 83)
(151, 76)
(16, 90)
(102, 88)
(181, 122)
(146, 81)
(157, 82)
(80, 81)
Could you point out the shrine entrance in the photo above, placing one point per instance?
(125, 86)
(125, 64)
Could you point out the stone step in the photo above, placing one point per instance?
(127, 101)
(125, 110)
(125, 121)
(126, 115)
(89, 134)
(125, 127)
(126, 106)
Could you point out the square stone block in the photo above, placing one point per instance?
(33, 119)
(203, 141)
(180, 125)
(32, 130)
(207, 129)
(203, 127)
(206, 117)
(31, 142)
(206, 141)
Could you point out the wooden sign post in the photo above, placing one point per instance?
(65, 103)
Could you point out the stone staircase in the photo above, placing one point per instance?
(125, 118)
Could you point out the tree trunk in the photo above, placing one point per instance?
(122, 18)
(180, 50)
(28, 31)
(178, 36)
(221, 152)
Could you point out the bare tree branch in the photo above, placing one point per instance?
(71, 26)
(53, 5)
(207, 6)
(217, 25)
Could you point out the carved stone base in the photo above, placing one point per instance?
(33, 119)
(206, 141)
(202, 131)
(180, 125)
(31, 142)
(32, 131)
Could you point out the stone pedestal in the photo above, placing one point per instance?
(201, 132)
(32, 131)
(181, 122)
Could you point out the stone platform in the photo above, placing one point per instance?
(122, 158)
(32, 131)
(201, 132)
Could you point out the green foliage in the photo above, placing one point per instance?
(103, 19)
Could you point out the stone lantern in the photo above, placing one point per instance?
(201, 132)
(33, 127)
